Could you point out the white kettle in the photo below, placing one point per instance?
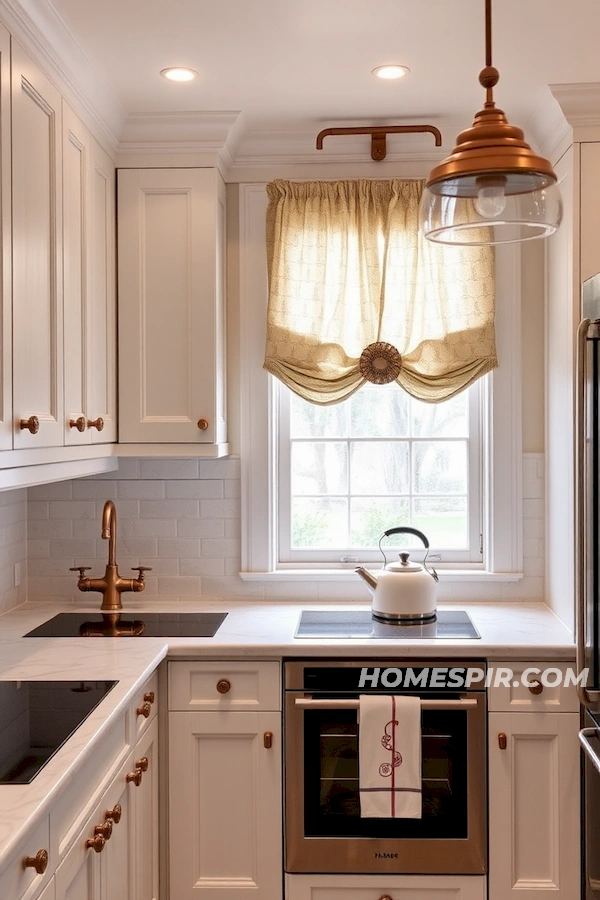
(404, 591)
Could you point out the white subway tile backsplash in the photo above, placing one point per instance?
(168, 469)
(182, 517)
(169, 509)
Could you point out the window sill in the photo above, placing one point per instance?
(333, 575)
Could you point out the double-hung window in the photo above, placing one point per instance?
(321, 482)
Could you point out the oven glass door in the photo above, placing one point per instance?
(331, 796)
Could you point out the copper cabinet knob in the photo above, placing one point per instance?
(105, 829)
(144, 710)
(96, 843)
(114, 813)
(536, 687)
(96, 423)
(223, 686)
(149, 697)
(502, 740)
(32, 424)
(268, 740)
(134, 777)
(385, 897)
(39, 862)
(142, 764)
(202, 424)
(79, 424)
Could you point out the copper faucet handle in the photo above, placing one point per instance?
(80, 569)
(141, 570)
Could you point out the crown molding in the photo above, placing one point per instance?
(549, 127)
(42, 32)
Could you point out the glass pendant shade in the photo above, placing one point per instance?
(492, 189)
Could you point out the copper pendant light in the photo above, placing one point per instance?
(493, 188)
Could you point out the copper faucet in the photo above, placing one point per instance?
(112, 585)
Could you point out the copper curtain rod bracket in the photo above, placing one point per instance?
(378, 134)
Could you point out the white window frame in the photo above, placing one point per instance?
(501, 422)
(286, 555)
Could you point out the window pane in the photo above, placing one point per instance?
(379, 411)
(440, 467)
(319, 468)
(448, 419)
(371, 516)
(443, 520)
(379, 467)
(319, 523)
(310, 420)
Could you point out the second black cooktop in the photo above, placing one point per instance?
(143, 624)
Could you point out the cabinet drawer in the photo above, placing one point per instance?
(23, 882)
(375, 887)
(224, 685)
(145, 707)
(555, 696)
(83, 790)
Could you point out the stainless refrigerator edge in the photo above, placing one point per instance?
(588, 575)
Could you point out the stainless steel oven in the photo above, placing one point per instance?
(324, 831)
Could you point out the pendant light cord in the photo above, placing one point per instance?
(488, 32)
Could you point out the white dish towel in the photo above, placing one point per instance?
(389, 754)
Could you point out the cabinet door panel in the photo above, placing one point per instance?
(76, 160)
(37, 252)
(102, 381)
(225, 805)
(6, 419)
(534, 806)
(171, 328)
(146, 839)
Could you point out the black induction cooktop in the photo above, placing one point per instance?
(37, 717)
(348, 624)
(201, 624)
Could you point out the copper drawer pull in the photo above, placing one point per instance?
(79, 424)
(202, 424)
(142, 764)
(223, 686)
(149, 697)
(96, 843)
(536, 687)
(134, 777)
(39, 862)
(268, 739)
(502, 740)
(144, 710)
(96, 423)
(32, 424)
(114, 813)
(105, 829)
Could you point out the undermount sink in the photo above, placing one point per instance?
(37, 717)
(201, 624)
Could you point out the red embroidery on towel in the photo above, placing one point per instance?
(389, 742)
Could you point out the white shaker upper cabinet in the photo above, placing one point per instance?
(89, 287)
(37, 256)
(171, 244)
(6, 419)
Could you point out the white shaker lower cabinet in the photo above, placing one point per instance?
(374, 887)
(225, 794)
(171, 265)
(534, 776)
(145, 820)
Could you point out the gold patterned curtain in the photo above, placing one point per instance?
(348, 269)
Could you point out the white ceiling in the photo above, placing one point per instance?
(300, 65)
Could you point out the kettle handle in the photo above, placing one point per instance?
(406, 530)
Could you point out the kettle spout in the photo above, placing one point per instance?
(366, 576)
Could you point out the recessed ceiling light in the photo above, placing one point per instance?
(179, 73)
(390, 72)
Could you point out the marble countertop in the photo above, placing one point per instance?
(509, 631)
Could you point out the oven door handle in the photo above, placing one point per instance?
(584, 734)
(309, 703)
